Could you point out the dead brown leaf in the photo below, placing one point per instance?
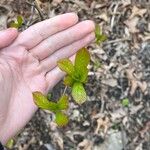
(137, 12)
(56, 2)
(135, 83)
(131, 24)
(102, 123)
(85, 145)
(145, 129)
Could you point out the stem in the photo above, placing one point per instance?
(39, 9)
(65, 90)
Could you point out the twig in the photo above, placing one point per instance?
(39, 10)
(31, 17)
(117, 40)
(113, 17)
(102, 106)
(37, 7)
(65, 90)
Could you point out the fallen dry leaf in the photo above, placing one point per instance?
(102, 123)
(145, 129)
(131, 24)
(135, 83)
(85, 145)
(126, 3)
(56, 2)
(137, 12)
(104, 17)
(58, 139)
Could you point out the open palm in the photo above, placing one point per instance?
(29, 64)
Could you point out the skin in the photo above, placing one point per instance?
(28, 63)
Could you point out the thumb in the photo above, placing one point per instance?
(7, 36)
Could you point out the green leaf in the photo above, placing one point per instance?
(14, 25)
(10, 144)
(97, 30)
(98, 34)
(101, 38)
(125, 102)
(18, 23)
(68, 81)
(63, 103)
(81, 76)
(66, 66)
(61, 119)
(81, 61)
(20, 20)
(42, 102)
(78, 93)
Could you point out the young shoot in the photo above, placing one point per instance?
(98, 35)
(76, 74)
(18, 23)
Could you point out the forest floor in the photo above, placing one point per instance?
(119, 69)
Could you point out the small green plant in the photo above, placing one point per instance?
(57, 108)
(18, 23)
(10, 144)
(125, 102)
(76, 77)
(76, 74)
(99, 36)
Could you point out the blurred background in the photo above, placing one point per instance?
(116, 115)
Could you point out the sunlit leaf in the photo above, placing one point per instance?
(42, 102)
(66, 66)
(78, 93)
(81, 61)
(68, 81)
(61, 119)
(14, 25)
(20, 20)
(63, 103)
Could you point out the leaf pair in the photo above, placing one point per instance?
(76, 74)
(99, 36)
(18, 23)
(62, 104)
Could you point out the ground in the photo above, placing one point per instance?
(120, 69)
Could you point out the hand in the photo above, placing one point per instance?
(29, 64)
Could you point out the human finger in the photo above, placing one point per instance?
(62, 39)
(42, 30)
(65, 52)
